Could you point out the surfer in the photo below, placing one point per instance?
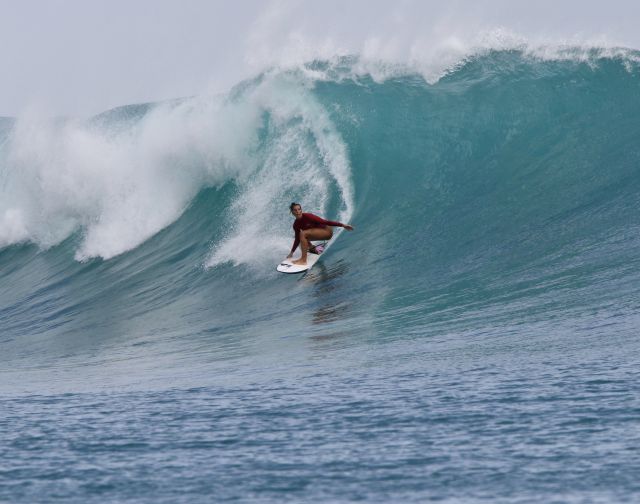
(309, 227)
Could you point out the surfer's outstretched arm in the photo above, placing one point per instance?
(325, 222)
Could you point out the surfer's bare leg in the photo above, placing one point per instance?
(307, 235)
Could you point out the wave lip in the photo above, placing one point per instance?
(432, 55)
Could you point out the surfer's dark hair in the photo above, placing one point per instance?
(294, 204)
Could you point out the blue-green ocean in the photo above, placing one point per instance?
(474, 339)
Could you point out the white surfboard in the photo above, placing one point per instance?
(287, 266)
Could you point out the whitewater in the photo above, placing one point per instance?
(473, 340)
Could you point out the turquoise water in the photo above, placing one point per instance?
(473, 340)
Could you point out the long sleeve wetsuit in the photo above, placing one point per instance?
(308, 221)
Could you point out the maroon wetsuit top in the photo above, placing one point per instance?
(309, 221)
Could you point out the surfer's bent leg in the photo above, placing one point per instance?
(306, 235)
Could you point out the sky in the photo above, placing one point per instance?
(81, 57)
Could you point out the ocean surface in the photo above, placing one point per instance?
(474, 339)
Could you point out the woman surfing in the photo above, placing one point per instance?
(307, 227)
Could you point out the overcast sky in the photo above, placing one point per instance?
(80, 57)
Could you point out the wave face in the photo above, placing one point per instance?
(497, 237)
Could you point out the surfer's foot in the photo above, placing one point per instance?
(300, 262)
(313, 249)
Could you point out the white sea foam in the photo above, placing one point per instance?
(120, 185)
